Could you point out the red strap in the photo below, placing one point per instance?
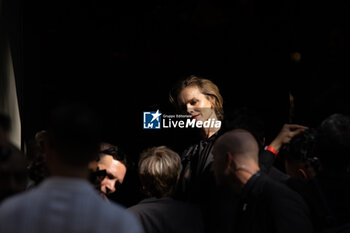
(271, 149)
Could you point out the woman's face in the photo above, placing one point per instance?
(197, 104)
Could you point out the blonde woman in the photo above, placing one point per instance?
(200, 98)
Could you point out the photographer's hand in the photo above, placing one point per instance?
(287, 132)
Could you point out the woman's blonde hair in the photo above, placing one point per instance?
(206, 87)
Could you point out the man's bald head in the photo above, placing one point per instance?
(235, 158)
(238, 143)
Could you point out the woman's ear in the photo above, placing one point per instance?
(302, 174)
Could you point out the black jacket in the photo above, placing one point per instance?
(159, 215)
(269, 206)
(328, 198)
(197, 180)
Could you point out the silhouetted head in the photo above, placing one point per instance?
(333, 143)
(300, 159)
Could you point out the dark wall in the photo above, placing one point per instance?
(124, 56)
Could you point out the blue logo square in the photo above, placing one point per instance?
(152, 120)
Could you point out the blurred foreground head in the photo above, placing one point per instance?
(73, 135)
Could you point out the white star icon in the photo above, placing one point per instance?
(155, 115)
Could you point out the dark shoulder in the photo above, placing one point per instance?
(278, 191)
(299, 185)
(12, 205)
(163, 204)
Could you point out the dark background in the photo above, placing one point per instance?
(124, 56)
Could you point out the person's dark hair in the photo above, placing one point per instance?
(159, 171)
(301, 148)
(333, 143)
(74, 132)
(115, 152)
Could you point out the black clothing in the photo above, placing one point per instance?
(277, 175)
(266, 161)
(196, 161)
(197, 182)
(269, 206)
(328, 198)
(159, 215)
